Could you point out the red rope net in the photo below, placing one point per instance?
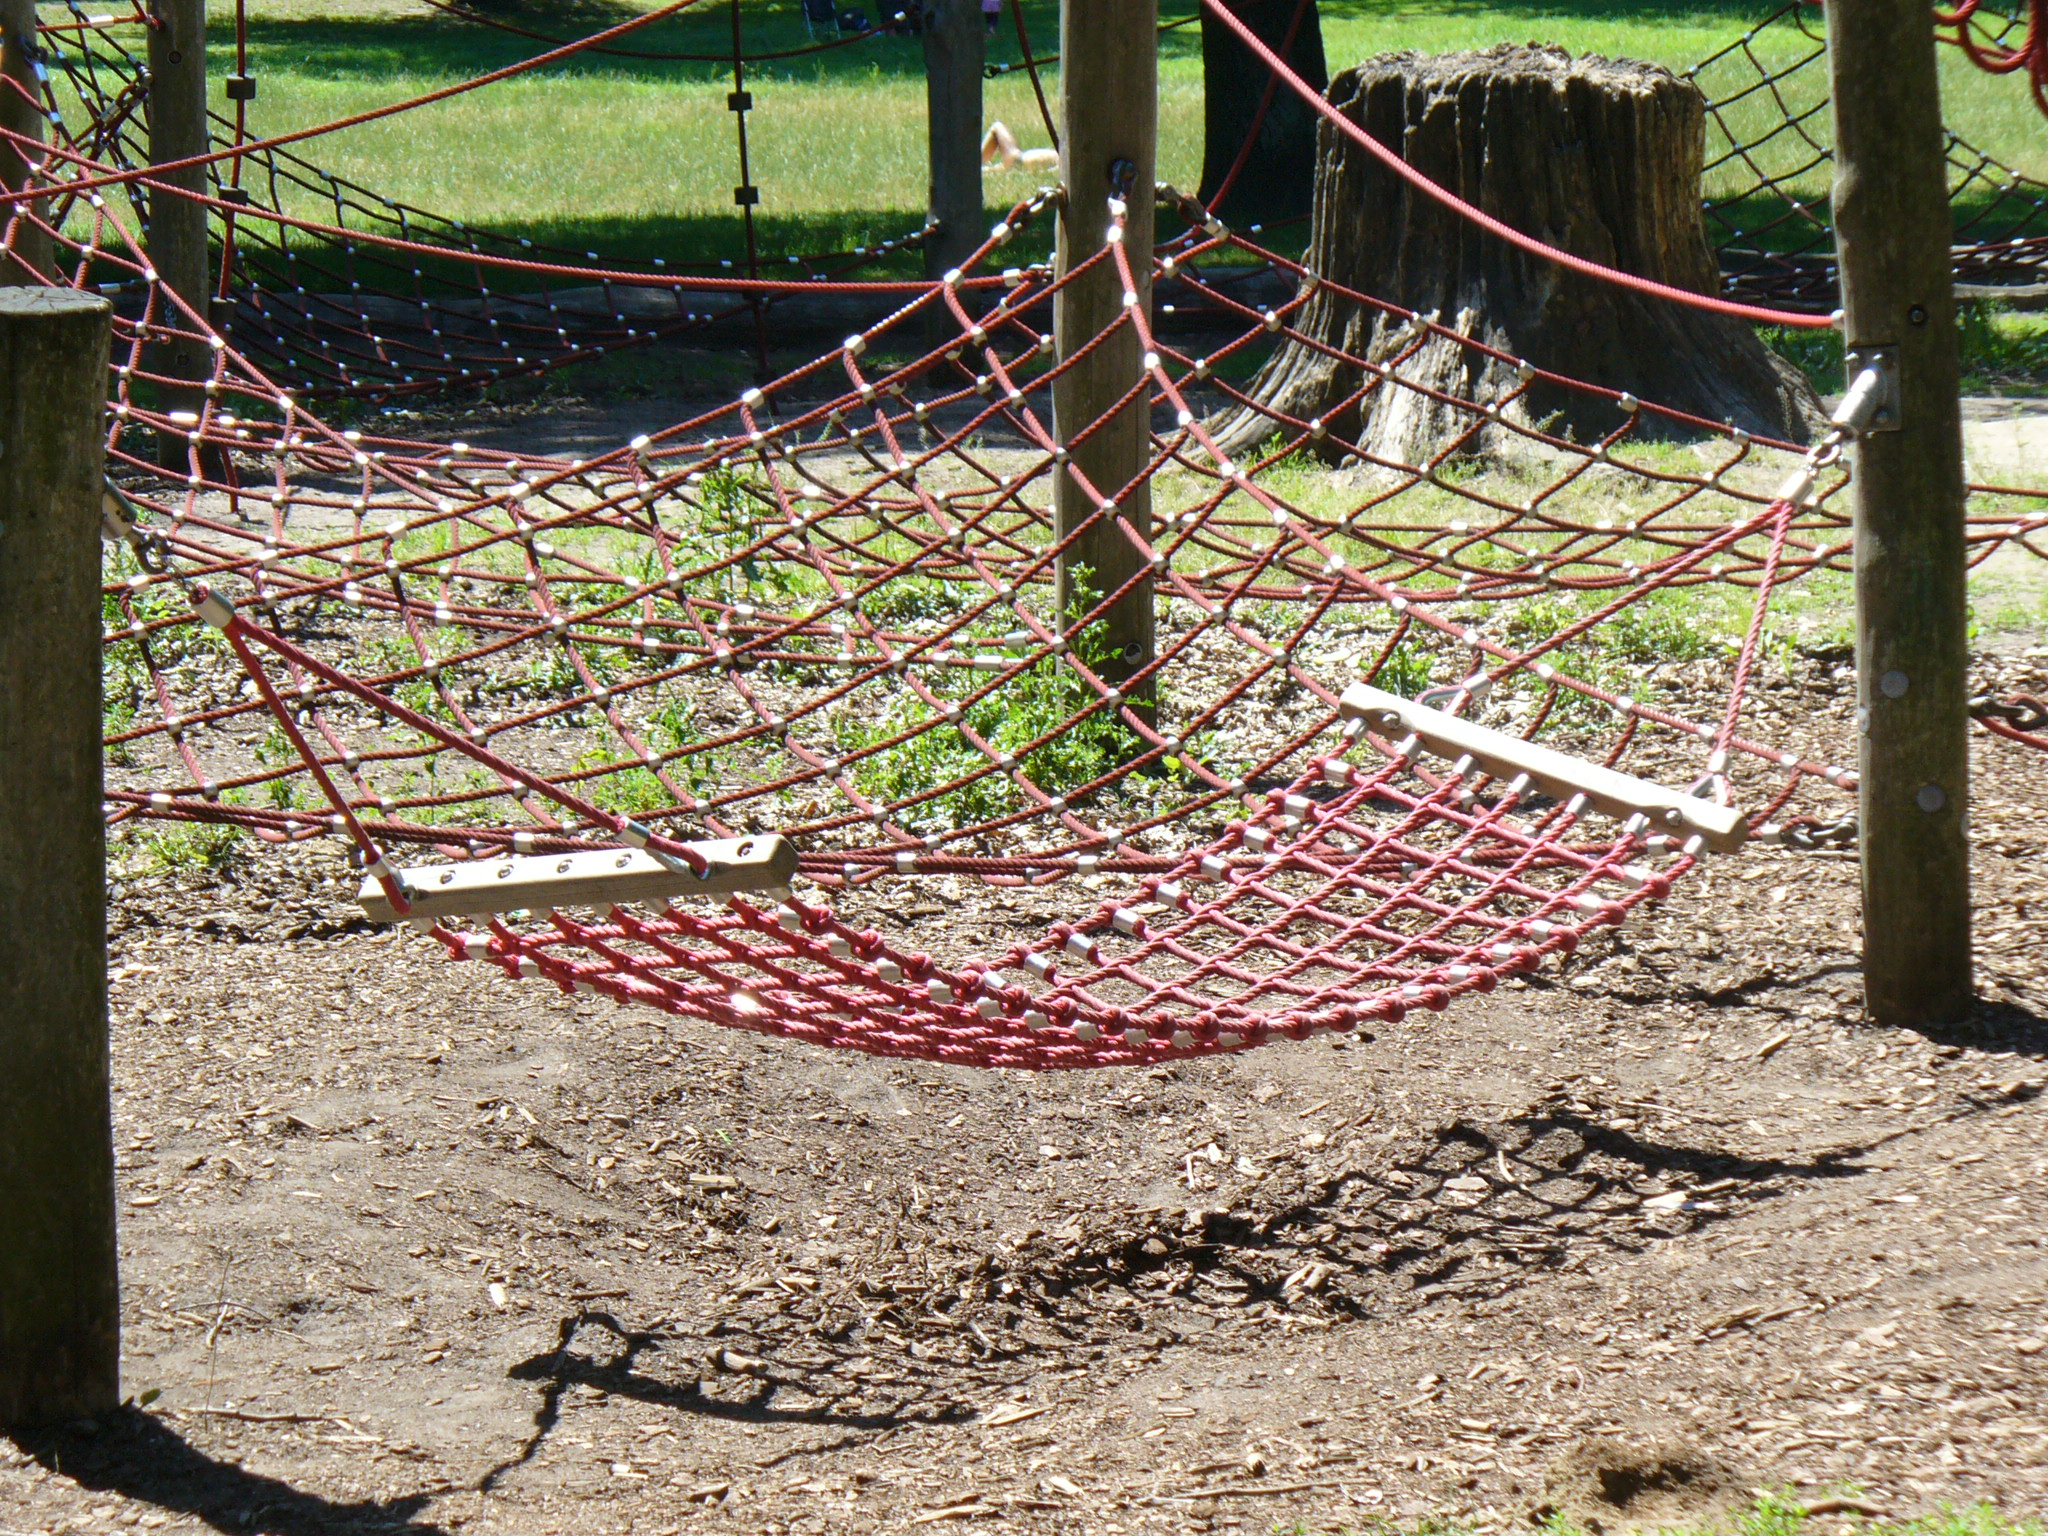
(826, 611)
(2002, 44)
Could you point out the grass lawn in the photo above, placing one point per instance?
(637, 157)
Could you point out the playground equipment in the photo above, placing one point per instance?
(1284, 753)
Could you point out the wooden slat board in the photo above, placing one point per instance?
(602, 878)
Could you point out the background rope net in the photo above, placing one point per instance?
(337, 290)
(1770, 160)
(825, 610)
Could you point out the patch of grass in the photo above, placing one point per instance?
(1044, 697)
(1817, 354)
(2002, 349)
(1770, 1515)
(125, 665)
(192, 847)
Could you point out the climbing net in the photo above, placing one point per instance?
(335, 289)
(2001, 44)
(1770, 161)
(338, 290)
(829, 613)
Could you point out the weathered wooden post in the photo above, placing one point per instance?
(177, 225)
(1893, 229)
(955, 44)
(1109, 128)
(27, 248)
(60, 1320)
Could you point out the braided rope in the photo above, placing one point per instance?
(826, 610)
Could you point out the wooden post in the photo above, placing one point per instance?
(60, 1318)
(1109, 113)
(1893, 229)
(955, 44)
(177, 225)
(27, 249)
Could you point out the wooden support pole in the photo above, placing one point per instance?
(1109, 117)
(26, 251)
(955, 45)
(177, 225)
(60, 1318)
(1893, 229)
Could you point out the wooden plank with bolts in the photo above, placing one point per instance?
(1109, 113)
(1620, 795)
(601, 878)
(60, 1318)
(26, 247)
(177, 225)
(1892, 229)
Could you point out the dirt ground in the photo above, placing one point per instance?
(409, 1246)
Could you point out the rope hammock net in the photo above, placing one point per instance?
(807, 643)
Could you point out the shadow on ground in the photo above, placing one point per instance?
(139, 1456)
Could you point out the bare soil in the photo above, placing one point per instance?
(408, 1246)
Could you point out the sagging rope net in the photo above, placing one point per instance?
(822, 617)
(1770, 162)
(335, 289)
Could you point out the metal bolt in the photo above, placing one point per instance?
(1930, 799)
(1893, 685)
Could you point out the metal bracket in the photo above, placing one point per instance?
(1721, 827)
(1873, 406)
(603, 878)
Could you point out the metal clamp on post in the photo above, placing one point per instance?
(118, 515)
(603, 878)
(1871, 402)
(1722, 828)
(121, 522)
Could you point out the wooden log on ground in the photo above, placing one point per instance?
(1598, 157)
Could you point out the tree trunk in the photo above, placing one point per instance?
(955, 45)
(1268, 158)
(1598, 157)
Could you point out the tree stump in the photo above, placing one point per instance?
(1598, 157)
